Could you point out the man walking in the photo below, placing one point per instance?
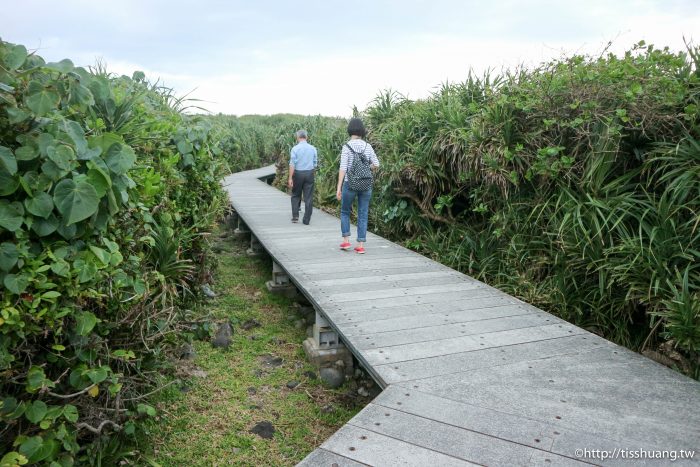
(303, 161)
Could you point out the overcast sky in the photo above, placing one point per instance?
(313, 57)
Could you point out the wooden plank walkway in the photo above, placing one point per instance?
(471, 375)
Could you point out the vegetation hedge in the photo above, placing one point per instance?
(107, 192)
(574, 186)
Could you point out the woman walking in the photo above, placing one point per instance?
(357, 162)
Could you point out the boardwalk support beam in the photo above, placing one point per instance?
(232, 219)
(324, 335)
(280, 283)
(256, 248)
(242, 230)
(324, 348)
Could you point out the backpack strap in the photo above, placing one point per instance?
(361, 154)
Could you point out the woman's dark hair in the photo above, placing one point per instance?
(356, 128)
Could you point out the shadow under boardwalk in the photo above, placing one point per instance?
(470, 374)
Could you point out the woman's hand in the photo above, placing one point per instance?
(339, 186)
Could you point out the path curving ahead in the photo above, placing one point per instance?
(470, 374)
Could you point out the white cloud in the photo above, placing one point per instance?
(332, 85)
(296, 69)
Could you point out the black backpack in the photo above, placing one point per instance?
(359, 173)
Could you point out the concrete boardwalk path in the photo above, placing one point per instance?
(470, 374)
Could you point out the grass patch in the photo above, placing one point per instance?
(207, 420)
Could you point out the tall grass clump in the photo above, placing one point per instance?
(574, 186)
(252, 141)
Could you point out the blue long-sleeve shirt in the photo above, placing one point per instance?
(303, 156)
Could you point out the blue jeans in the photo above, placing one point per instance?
(347, 199)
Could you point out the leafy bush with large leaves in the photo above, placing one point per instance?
(105, 192)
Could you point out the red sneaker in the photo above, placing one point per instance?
(359, 250)
(345, 246)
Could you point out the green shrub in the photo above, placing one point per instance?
(573, 185)
(99, 175)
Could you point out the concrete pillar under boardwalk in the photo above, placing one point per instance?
(232, 220)
(256, 248)
(324, 348)
(242, 230)
(280, 283)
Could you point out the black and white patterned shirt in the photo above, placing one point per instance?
(358, 145)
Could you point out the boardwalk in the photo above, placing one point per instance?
(470, 374)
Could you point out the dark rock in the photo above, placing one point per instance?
(277, 341)
(303, 302)
(223, 336)
(185, 389)
(308, 314)
(263, 429)
(332, 377)
(328, 408)
(300, 324)
(292, 384)
(250, 324)
(310, 331)
(310, 374)
(374, 391)
(187, 352)
(270, 361)
(208, 292)
(252, 391)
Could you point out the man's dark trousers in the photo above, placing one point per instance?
(303, 181)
